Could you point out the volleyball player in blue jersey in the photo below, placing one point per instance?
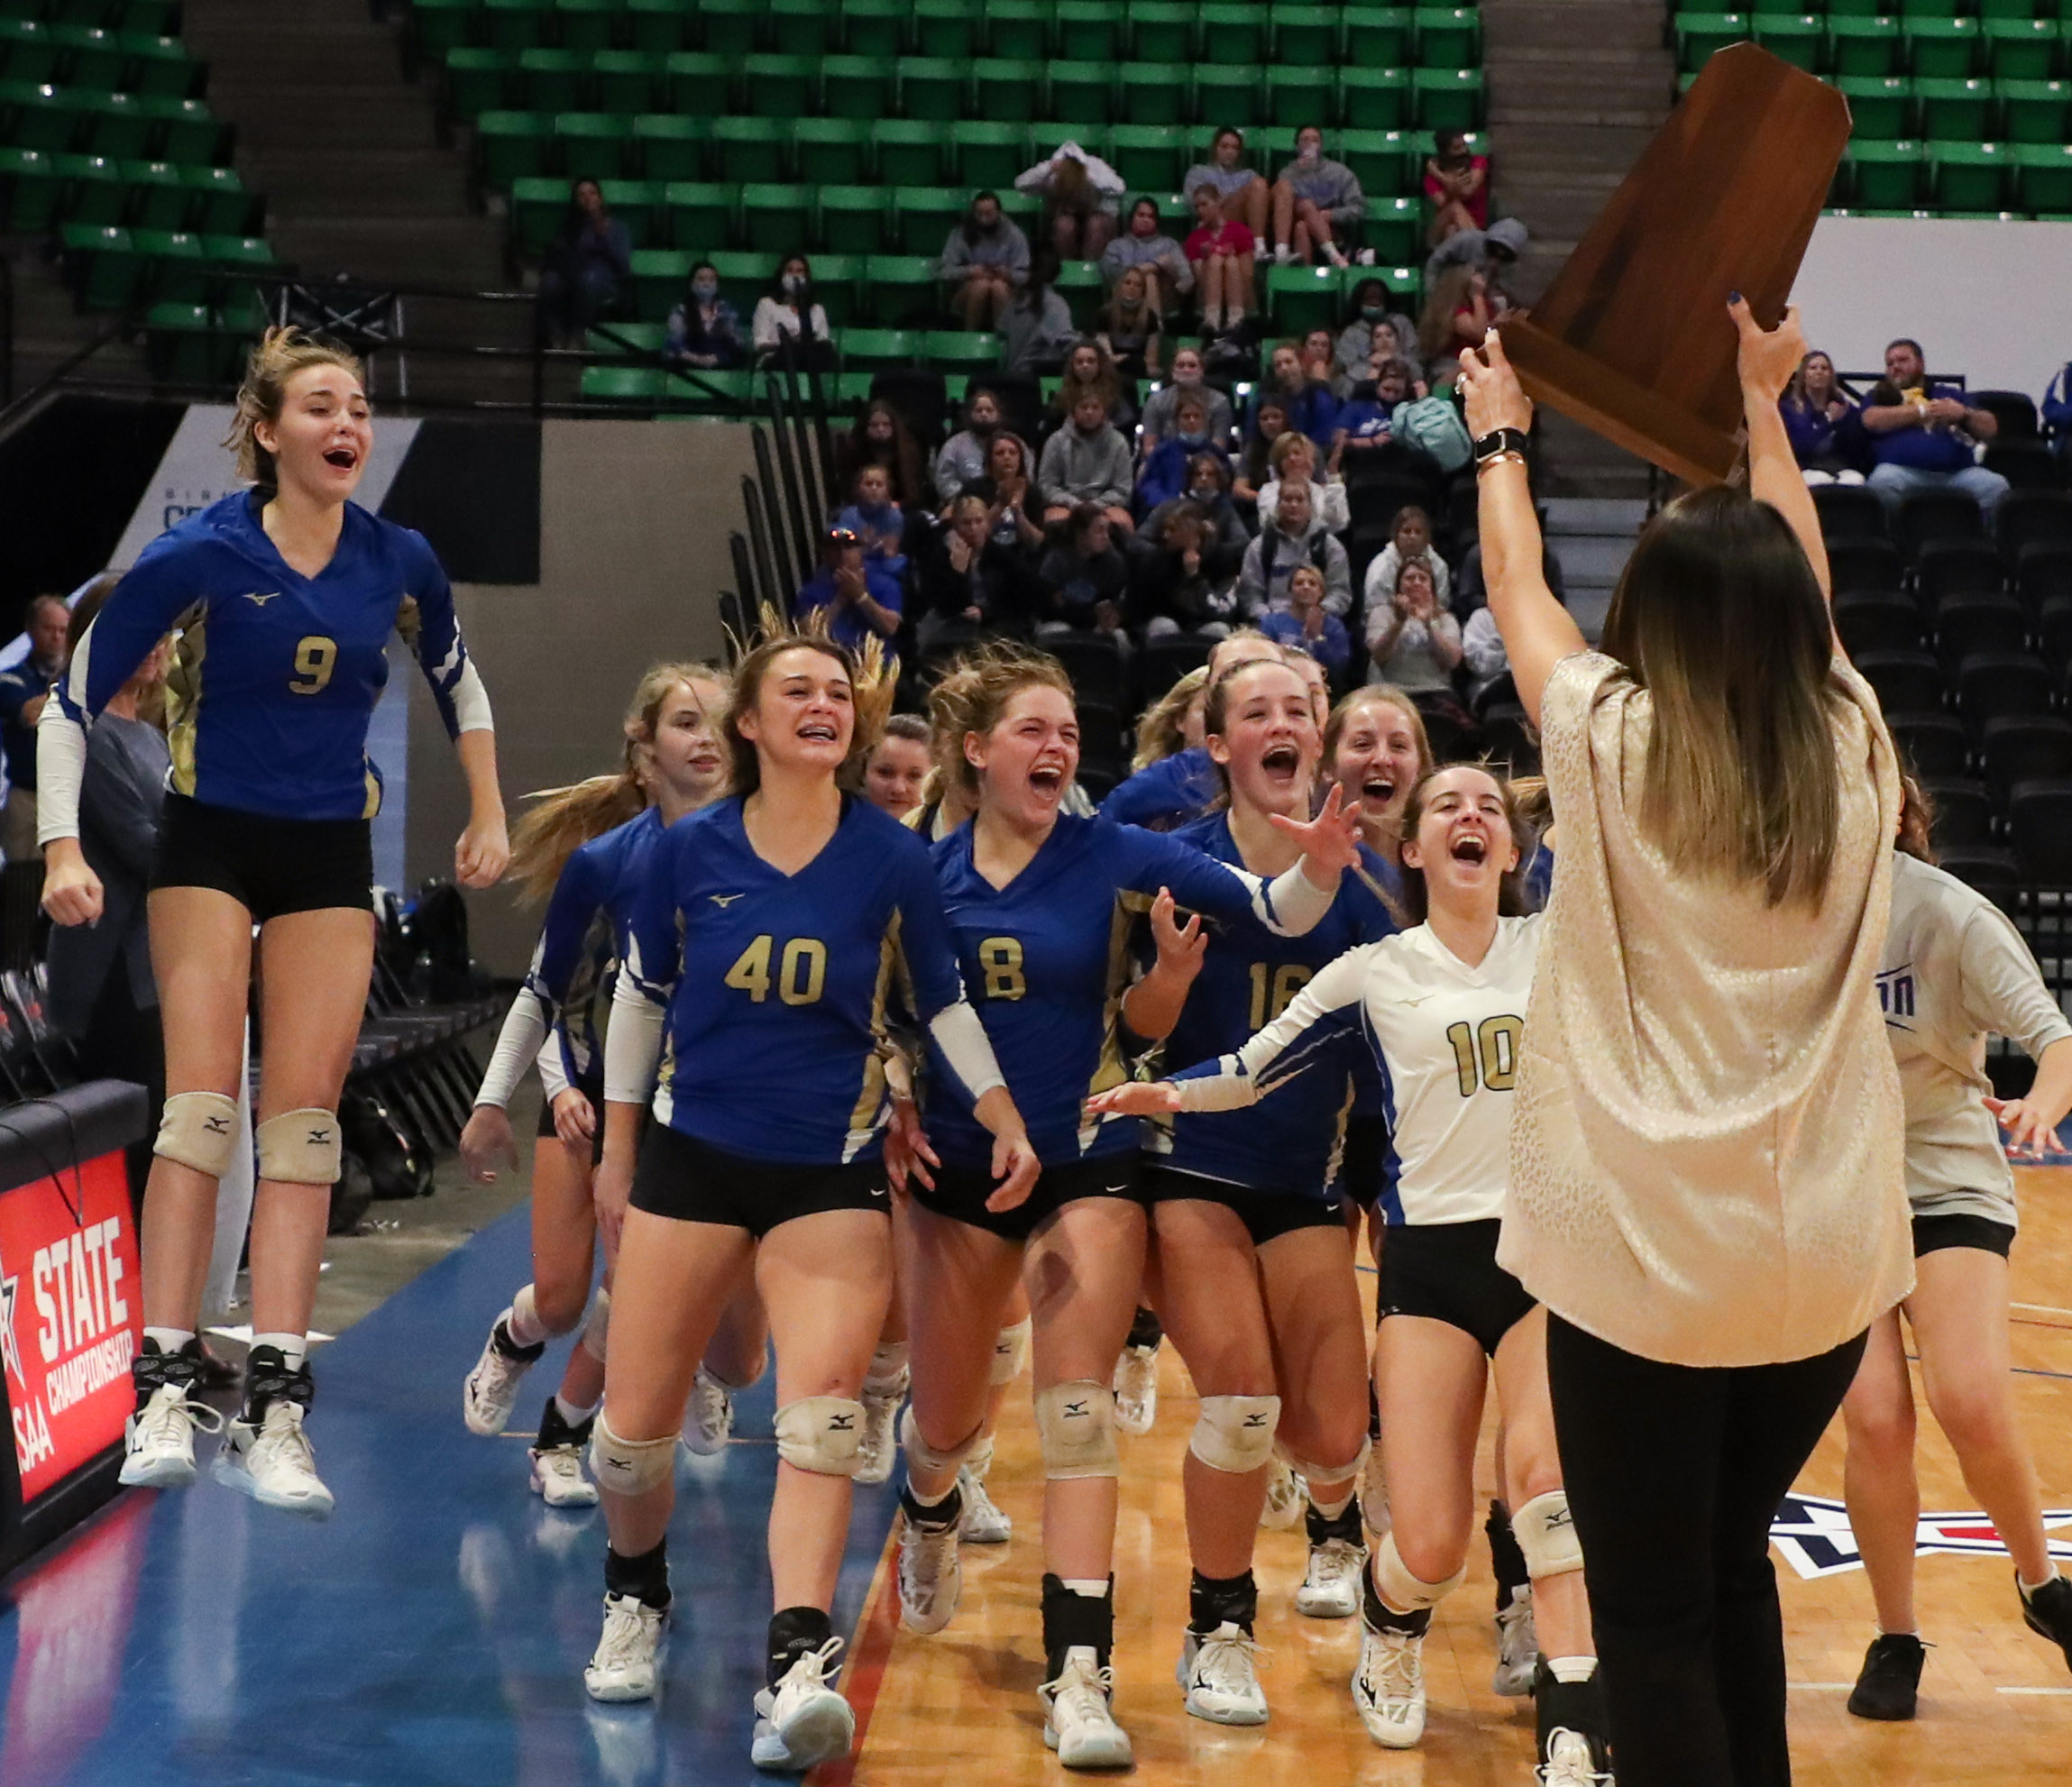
(588, 850)
(1042, 905)
(1254, 1260)
(763, 952)
(285, 596)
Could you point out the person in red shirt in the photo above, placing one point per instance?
(1223, 256)
(1457, 185)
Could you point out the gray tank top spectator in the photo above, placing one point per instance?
(1004, 245)
(1331, 186)
(1159, 253)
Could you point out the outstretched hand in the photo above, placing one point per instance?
(1135, 1098)
(1330, 842)
(1768, 357)
(2028, 1136)
(1180, 946)
(1490, 383)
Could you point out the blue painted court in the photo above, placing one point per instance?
(432, 1632)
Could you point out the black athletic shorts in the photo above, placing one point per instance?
(591, 1089)
(961, 1194)
(1359, 1174)
(1266, 1215)
(271, 867)
(690, 1181)
(1448, 1271)
(1931, 1233)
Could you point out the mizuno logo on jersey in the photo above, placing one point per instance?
(259, 600)
(722, 901)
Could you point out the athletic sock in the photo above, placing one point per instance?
(558, 1428)
(293, 1349)
(1146, 1330)
(1221, 1601)
(170, 1340)
(888, 1370)
(945, 1510)
(795, 1631)
(646, 1577)
(1343, 1525)
(575, 1414)
(1568, 1696)
(269, 1376)
(1078, 1614)
(2029, 1589)
(1506, 1558)
(1382, 1618)
(522, 1326)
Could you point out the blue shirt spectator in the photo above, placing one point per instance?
(705, 330)
(863, 601)
(1923, 436)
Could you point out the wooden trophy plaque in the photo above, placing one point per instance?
(1632, 338)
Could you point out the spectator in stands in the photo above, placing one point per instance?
(1166, 468)
(1006, 490)
(587, 269)
(1244, 196)
(880, 437)
(1311, 409)
(1224, 533)
(705, 331)
(1409, 538)
(1316, 201)
(1488, 665)
(963, 456)
(1924, 436)
(1827, 434)
(1367, 419)
(102, 997)
(1269, 424)
(1294, 456)
(861, 600)
(2057, 412)
(1495, 250)
(778, 316)
(1038, 331)
(1129, 327)
(1373, 308)
(876, 519)
(1084, 579)
(1413, 642)
(1086, 463)
(24, 687)
(1286, 540)
(1186, 583)
(1089, 371)
(897, 767)
(1306, 626)
(984, 261)
(1318, 359)
(973, 584)
(1456, 318)
(1223, 253)
(1145, 246)
(1163, 404)
(1082, 195)
(1456, 187)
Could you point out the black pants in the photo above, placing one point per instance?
(1674, 1474)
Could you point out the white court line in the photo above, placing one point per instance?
(2041, 1308)
(2037, 1691)
(1844, 1687)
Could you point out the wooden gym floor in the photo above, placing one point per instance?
(1996, 1701)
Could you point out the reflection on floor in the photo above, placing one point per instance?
(432, 1632)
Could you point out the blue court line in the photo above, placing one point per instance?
(432, 1634)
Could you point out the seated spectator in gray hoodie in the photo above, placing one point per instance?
(1162, 407)
(1086, 460)
(1168, 278)
(1038, 327)
(962, 461)
(1373, 304)
(1316, 202)
(984, 262)
(1494, 250)
(1284, 542)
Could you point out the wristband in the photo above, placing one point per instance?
(1499, 441)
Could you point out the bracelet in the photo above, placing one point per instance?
(1504, 458)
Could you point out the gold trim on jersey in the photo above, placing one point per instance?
(183, 697)
(1111, 1070)
(869, 1108)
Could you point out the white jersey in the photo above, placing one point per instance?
(1954, 970)
(1446, 1038)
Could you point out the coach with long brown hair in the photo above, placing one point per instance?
(1707, 1186)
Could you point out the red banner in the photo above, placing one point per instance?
(72, 1317)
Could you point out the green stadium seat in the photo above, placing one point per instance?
(2021, 48)
(1859, 9)
(1088, 31)
(1954, 109)
(1081, 93)
(1301, 298)
(1080, 285)
(513, 146)
(1446, 98)
(1154, 93)
(186, 129)
(251, 254)
(1298, 94)
(588, 26)
(1700, 35)
(1448, 37)
(161, 67)
(629, 81)
(1232, 36)
(477, 82)
(536, 205)
(834, 152)
(1394, 228)
(701, 213)
(1377, 37)
(951, 28)
(2043, 178)
(701, 391)
(924, 216)
(1303, 33)
(659, 277)
(1864, 46)
(1150, 155)
(1161, 31)
(1005, 89)
(852, 218)
(440, 25)
(859, 87)
(1373, 99)
(1385, 160)
(218, 203)
(804, 27)
(1941, 49)
(640, 206)
(660, 26)
(849, 391)
(781, 87)
(874, 27)
(1225, 94)
(835, 281)
(182, 344)
(102, 263)
(93, 190)
(592, 145)
(554, 80)
(30, 182)
(962, 350)
(623, 340)
(158, 195)
(933, 87)
(898, 287)
(1884, 176)
(28, 52)
(2035, 111)
(632, 386)
(910, 151)
(517, 25)
(878, 347)
(121, 125)
(1018, 30)
(750, 148)
(1967, 176)
(778, 218)
(670, 147)
(729, 27)
(1797, 38)
(700, 81)
(1880, 106)
(744, 276)
(90, 57)
(177, 267)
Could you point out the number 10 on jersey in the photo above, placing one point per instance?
(1488, 1053)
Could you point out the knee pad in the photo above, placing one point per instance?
(1235, 1433)
(627, 1467)
(1075, 1428)
(1546, 1532)
(1011, 1352)
(300, 1148)
(597, 1324)
(1311, 1471)
(919, 1452)
(1403, 1592)
(199, 1129)
(820, 1433)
